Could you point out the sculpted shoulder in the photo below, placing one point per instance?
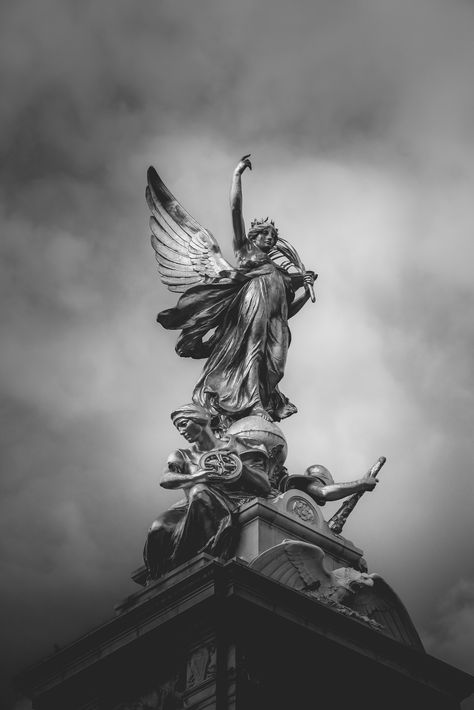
(177, 461)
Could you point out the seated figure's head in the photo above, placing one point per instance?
(263, 234)
(320, 474)
(190, 420)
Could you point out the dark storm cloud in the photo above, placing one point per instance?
(367, 108)
(452, 631)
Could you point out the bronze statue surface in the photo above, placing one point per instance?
(235, 318)
(216, 476)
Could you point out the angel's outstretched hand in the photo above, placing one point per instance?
(244, 163)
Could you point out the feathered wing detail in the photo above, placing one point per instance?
(187, 254)
(383, 605)
(297, 564)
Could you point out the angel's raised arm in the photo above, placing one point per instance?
(238, 223)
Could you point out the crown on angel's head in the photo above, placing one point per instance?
(263, 222)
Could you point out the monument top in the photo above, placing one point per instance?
(235, 318)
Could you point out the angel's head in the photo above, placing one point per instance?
(190, 420)
(263, 234)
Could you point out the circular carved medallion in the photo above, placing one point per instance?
(302, 509)
(222, 465)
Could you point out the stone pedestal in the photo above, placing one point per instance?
(265, 522)
(292, 515)
(223, 636)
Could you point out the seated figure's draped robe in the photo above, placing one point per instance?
(246, 354)
(204, 520)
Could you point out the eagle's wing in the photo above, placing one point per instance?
(297, 564)
(383, 605)
(187, 254)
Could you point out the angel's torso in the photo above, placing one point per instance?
(269, 284)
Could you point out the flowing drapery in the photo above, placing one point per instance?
(246, 353)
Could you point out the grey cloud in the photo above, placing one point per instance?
(451, 633)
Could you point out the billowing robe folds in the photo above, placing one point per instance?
(246, 354)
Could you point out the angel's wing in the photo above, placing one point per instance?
(187, 254)
(383, 605)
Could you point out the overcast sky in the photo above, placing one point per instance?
(359, 115)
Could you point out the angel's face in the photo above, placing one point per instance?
(265, 240)
(188, 428)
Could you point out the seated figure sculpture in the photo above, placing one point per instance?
(216, 475)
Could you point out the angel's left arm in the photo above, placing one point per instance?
(297, 281)
(296, 306)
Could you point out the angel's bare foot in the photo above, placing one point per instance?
(260, 412)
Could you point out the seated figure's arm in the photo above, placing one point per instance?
(176, 473)
(254, 477)
(336, 491)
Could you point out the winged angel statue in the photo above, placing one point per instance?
(235, 318)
